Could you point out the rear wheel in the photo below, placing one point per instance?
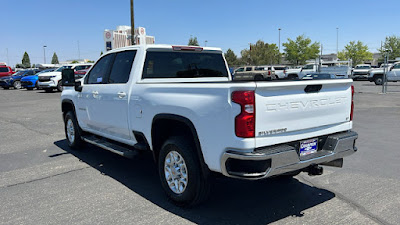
(73, 132)
(258, 77)
(180, 172)
(378, 80)
(6, 88)
(17, 84)
(29, 88)
(48, 90)
(292, 76)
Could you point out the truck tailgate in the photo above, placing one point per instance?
(289, 111)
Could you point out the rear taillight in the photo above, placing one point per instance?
(245, 121)
(352, 103)
(269, 72)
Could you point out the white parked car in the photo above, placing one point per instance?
(52, 80)
(180, 103)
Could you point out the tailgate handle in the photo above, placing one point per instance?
(313, 88)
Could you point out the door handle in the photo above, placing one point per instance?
(95, 94)
(121, 94)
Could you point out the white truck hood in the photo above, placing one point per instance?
(50, 74)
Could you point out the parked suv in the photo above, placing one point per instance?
(254, 73)
(5, 70)
(52, 80)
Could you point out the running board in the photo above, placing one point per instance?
(111, 146)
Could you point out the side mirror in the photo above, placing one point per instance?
(68, 78)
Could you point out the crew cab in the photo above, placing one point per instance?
(52, 80)
(180, 103)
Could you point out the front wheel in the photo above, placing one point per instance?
(29, 88)
(180, 172)
(59, 86)
(73, 132)
(378, 80)
(17, 84)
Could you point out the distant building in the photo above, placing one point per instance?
(121, 37)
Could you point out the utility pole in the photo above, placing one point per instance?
(205, 43)
(132, 25)
(44, 53)
(279, 46)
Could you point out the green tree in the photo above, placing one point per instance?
(392, 45)
(54, 60)
(26, 62)
(357, 52)
(299, 50)
(231, 57)
(101, 53)
(75, 61)
(193, 42)
(260, 53)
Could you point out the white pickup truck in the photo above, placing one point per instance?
(52, 80)
(342, 71)
(180, 103)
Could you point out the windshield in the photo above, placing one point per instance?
(308, 67)
(363, 67)
(63, 67)
(18, 73)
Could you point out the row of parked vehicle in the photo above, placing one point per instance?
(376, 75)
(48, 80)
(279, 72)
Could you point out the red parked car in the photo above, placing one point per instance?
(81, 73)
(5, 70)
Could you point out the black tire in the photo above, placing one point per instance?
(292, 76)
(59, 87)
(37, 85)
(17, 84)
(48, 90)
(258, 77)
(378, 80)
(6, 88)
(198, 185)
(76, 141)
(29, 88)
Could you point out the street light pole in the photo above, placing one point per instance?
(44, 53)
(205, 43)
(279, 46)
(337, 41)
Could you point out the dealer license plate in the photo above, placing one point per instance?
(308, 147)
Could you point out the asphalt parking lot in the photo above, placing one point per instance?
(42, 181)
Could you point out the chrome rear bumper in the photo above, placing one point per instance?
(280, 159)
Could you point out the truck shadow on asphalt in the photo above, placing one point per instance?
(231, 201)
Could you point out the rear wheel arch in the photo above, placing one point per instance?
(168, 125)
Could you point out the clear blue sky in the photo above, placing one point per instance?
(27, 25)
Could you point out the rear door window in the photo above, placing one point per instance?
(122, 67)
(3, 69)
(184, 65)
